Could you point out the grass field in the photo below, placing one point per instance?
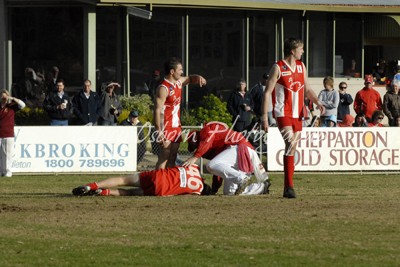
(337, 220)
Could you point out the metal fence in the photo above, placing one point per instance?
(148, 154)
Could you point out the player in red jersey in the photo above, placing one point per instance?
(167, 110)
(231, 157)
(163, 182)
(288, 84)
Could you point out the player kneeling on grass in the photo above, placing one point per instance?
(163, 182)
(231, 157)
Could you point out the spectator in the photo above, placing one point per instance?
(316, 123)
(329, 99)
(391, 102)
(9, 106)
(345, 100)
(51, 79)
(153, 83)
(360, 120)
(256, 94)
(377, 118)
(110, 106)
(167, 110)
(32, 90)
(347, 121)
(367, 100)
(240, 106)
(86, 105)
(397, 120)
(58, 106)
(330, 121)
(166, 182)
(133, 120)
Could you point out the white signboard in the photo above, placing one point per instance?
(339, 149)
(74, 149)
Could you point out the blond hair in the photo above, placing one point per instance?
(5, 91)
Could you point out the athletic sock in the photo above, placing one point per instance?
(104, 192)
(288, 166)
(93, 186)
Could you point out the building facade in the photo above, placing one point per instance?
(224, 41)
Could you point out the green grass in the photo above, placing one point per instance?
(337, 220)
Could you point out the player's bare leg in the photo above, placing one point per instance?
(164, 154)
(105, 185)
(173, 155)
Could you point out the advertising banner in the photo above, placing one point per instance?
(74, 149)
(339, 149)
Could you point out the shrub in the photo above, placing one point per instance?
(142, 103)
(211, 109)
(31, 116)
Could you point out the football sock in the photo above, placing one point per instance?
(288, 166)
(93, 186)
(216, 183)
(104, 192)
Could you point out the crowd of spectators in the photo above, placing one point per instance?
(368, 105)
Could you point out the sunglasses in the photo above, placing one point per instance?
(381, 118)
(343, 87)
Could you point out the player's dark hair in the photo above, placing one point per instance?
(290, 44)
(206, 190)
(171, 63)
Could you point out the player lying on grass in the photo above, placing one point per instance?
(162, 182)
(231, 157)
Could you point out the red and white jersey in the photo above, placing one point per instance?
(172, 181)
(288, 96)
(215, 137)
(170, 114)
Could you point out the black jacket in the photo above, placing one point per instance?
(257, 94)
(86, 109)
(344, 103)
(235, 106)
(51, 102)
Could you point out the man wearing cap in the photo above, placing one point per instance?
(167, 110)
(111, 106)
(367, 100)
(133, 120)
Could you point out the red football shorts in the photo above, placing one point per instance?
(295, 123)
(173, 134)
(147, 181)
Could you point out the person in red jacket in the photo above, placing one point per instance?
(231, 157)
(367, 100)
(162, 182)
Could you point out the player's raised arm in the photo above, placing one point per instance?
(193, 79)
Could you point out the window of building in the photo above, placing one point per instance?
(44, 37)
(320, 45)
(348, 45)
(262, 45)
(152, 43)
(216, 51)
